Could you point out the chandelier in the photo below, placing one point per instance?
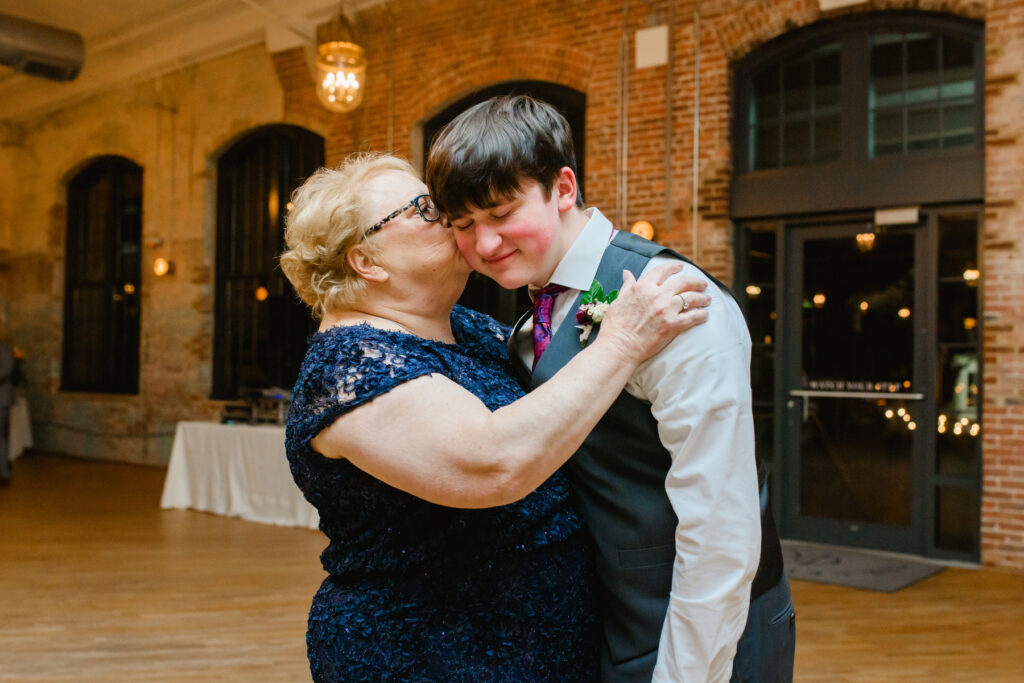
(340, 67)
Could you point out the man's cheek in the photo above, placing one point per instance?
(467, 247)
(536, 242)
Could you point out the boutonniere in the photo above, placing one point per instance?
(593, 305)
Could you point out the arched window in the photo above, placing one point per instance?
(260, 326)
(482, 294)
(880, 109)
(102, 282)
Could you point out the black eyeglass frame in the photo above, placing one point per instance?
(397, 212)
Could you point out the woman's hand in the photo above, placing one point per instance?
(651, 311)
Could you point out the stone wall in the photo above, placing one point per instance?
(173, 127)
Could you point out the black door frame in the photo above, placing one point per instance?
(789, 408)
(927, 479)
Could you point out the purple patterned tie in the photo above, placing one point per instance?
(543, 302)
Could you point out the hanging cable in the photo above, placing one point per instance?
(669, 115)
(696, 131)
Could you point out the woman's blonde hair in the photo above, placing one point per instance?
(326, 220)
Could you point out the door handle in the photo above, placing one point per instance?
(805, 394)
(858, 394)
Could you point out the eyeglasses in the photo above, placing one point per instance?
(423, 203)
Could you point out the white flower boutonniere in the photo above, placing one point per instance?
(593, 305)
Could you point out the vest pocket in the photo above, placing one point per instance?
(647, 557)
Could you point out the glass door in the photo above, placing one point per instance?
(856, 404)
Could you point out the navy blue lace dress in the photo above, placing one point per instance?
(422, 592)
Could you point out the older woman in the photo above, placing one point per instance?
(454, 552)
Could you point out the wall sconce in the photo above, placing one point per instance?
(340, 67)
(644, 229)
(162, 266)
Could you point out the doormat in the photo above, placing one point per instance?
(855, 568)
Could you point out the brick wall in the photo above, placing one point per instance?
(1003, 446)
(419, 64)
(425, 54)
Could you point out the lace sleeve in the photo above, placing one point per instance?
(482, 331)
(345, 368)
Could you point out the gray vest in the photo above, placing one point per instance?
(618, 476)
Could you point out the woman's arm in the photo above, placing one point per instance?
(435, 440)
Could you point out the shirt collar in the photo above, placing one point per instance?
(578, 267)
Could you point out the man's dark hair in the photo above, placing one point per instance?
(482, 157)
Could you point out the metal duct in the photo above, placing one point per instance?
(39, 50)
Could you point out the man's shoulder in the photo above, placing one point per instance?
(637, 244)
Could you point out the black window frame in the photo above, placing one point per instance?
(855, 180)
(259, 343)
(103, 278)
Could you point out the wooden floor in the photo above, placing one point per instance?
(98, 584)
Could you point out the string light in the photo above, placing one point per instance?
(960, 427)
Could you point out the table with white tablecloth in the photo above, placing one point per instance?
(19, 435)
(235, 470)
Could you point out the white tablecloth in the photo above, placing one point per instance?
(20, 434)
(235, 470)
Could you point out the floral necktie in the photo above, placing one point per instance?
(543, 302)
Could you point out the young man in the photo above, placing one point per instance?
(667, 481)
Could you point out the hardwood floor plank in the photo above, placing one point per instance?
(98, 584)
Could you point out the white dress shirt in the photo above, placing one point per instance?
(699, 390)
